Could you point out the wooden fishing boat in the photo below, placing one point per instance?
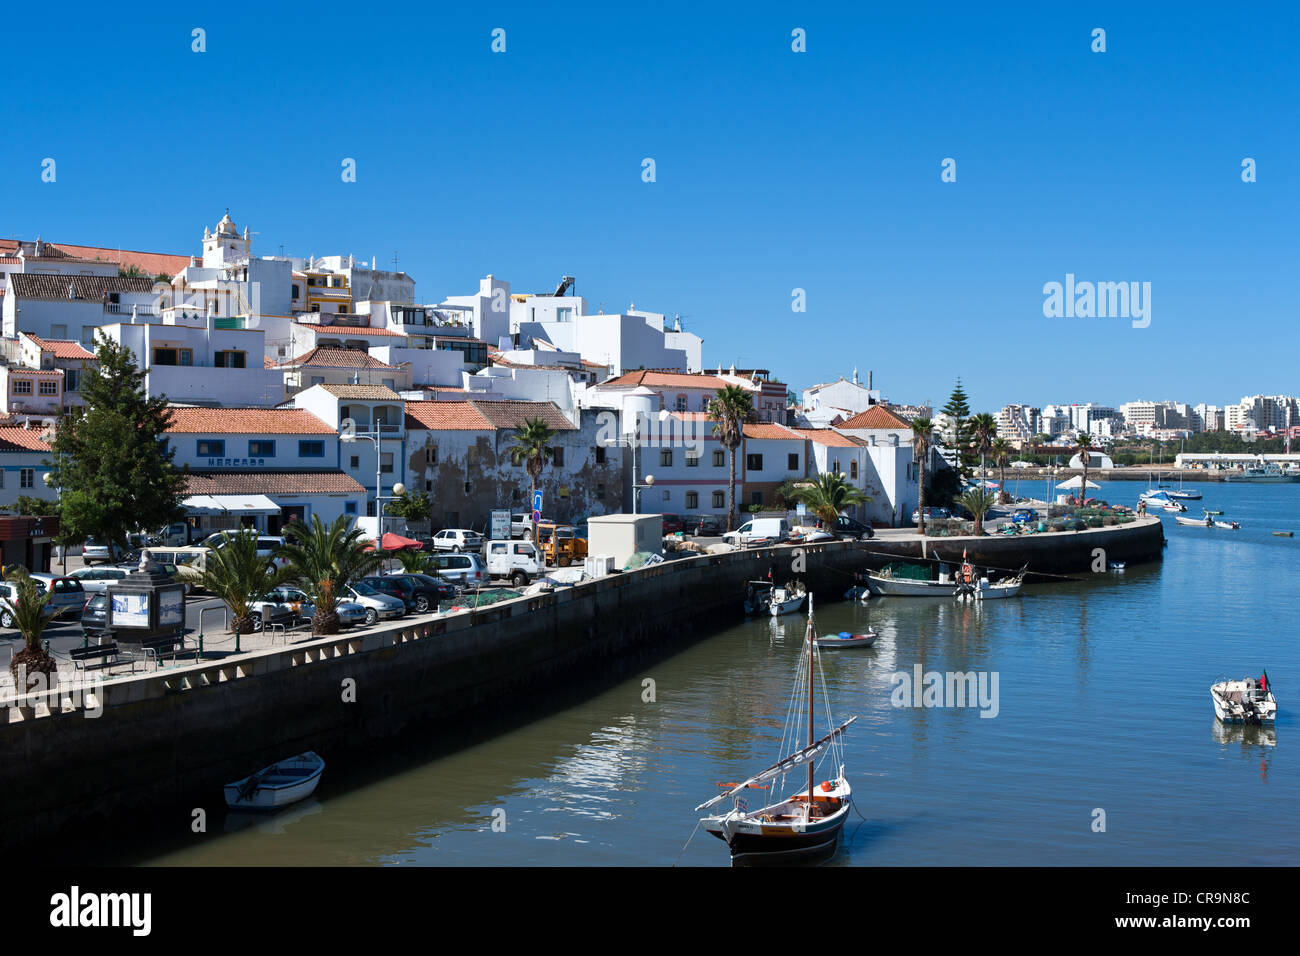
(787, 599)
(901, 581)
(278, 785)
(807, 824)
(1245, 701)
(845, 639)
(758, 596)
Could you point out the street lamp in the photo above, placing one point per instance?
(636, 493)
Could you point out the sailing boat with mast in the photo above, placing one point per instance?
(1191, 495)
(808, 823)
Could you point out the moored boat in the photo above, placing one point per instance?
(758, 595)
(1270, 474)
(807, 824)
(1245, 701)
(1229, 525)
(1206, 522)
(905, 580)
(845, 639)
(278, 785)
(787, 599)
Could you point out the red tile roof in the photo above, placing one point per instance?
(877, 416)
(346, 330)
(152, 263)
(30, 285)
(246, 421)
(446, 416)
(62, 348)
(329, 357)
(23, 370)
(513, 414)
(364, 393)
(15, 438)
(829, 436)
(270, 483)
(659, 378)
(762, 430)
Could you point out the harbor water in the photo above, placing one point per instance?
(1100, 746)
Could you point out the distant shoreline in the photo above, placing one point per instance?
(1118, 473)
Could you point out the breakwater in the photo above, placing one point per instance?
(166, 741)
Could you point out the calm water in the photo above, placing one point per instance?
(1104, 703)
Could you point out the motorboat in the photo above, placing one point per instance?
(909, 580)
(805, 825)
(1245, 701)
(758, 596)
(1269, 474)
(787, 599)
(1206, 522)
(278, 785)
(1228, 525)
(845, 639)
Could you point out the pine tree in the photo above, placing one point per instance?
(959, 431)
(111, 461)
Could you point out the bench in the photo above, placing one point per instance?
(159, 646)
(99, 655)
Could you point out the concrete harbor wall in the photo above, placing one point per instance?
(169, 739)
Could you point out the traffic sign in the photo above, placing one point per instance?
(537, 501)
(537, 516)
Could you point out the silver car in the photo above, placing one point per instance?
(97, 580)
(377, 606)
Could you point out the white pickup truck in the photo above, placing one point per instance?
(516, 560)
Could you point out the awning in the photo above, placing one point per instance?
(397, 542)
(230, 504)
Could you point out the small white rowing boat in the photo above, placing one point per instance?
(787, 599)
(1245, 701)
(845, 639)
(1205, 522)
(278, 785)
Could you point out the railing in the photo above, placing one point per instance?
(122, 308)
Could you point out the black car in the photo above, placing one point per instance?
(393, 587)
(710, 526)
(426, 591)
(847, 528)
(94, 616)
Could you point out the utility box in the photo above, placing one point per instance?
(621, 536)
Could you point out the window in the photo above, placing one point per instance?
(853, 468)
(692, 499)
(666, 458)
(756, 498)
(229, 359)
(793, 463)
(557, 457)
(211, 449)
(88, 336)
(386, 463)
(431, 455)
(318, 379)
(349, 507)
(355, 461)
(600, 455)
(22, 386)
(667, 496)
(753, 462)
(719, 500)
(173, 356)
(681, 403)
(719, 459)
(295, 290)
(311, 449)
(390, 383)
(261, 449)
(72, 378)
(692, 460)
(58, 331)
(27, 477)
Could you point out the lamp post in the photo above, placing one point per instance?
(377, 437)
(636, 492)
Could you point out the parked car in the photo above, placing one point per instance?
(521, 526)
(932, 514)
(95, 551)
(267, 545)
(457, 539)
(349, 612)
(378, 606)
(271, 611)
(66, 592)
(393, 587)
(425, 590)
(756, 529)
(711, 525)
(465, 570)
(1021, 515)
(94, 616)
(96, 580)
(672, 524)
(516, 560)
(847, 528)
(8, 594)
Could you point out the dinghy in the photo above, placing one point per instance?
(1245, 701)
(758, 596)
(787, 599)
(1206, 522)
(845, 639)
(278, 785)
(1229, 525)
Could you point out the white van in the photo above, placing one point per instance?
(516, 560)
(772, 530)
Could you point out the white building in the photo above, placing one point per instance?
(24, 452)
(830, 403)
(72, 307)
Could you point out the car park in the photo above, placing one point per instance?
(66, 593)
(95, 580)
(95, 551)
(672, 523)
(267, 545)
(378, 606)
(516, 560)
(932, 514)
(457, 539)
(463, 570)
(9, 594)
(94, 616)
(424, 590)
(394, 587)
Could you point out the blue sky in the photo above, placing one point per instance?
(775, 170)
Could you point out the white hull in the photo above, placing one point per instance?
(783, 604)
(1194, 522)
(1228, 525)
(1240, 702)
(278, 785)
(1186, 495)
(903, 587)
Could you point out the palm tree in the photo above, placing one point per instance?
(322, 560)
(983, 428)
(827, 496)
(235, 574)
(730, 410)
(412, 561)
(977, 501)
(922, 435)
(533, 449)
(1001, 449)
(29, 614)
(1085, 458)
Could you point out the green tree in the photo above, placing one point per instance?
(237, 576)
(828, 495)
(958, 410)
(110, 459)
(32, 506)
(29, 613)
(922, 437)
(730, 410)
(532, 449)
(1085, 458)
(411, 505)
(977, 501)
(322, 560)
(1001, 449)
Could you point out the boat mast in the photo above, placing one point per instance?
(810, 704)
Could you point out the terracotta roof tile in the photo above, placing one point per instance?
(28, 285)
(513, 414)
(362, 392)
(15, 438)
(246, 421)
(659, 378)
(270, 483)
(446, 416)
(327, 357)
(829, 436)
(62, 348)
(153, 263)
(346, 330)
(877, 416)
(758, 430)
